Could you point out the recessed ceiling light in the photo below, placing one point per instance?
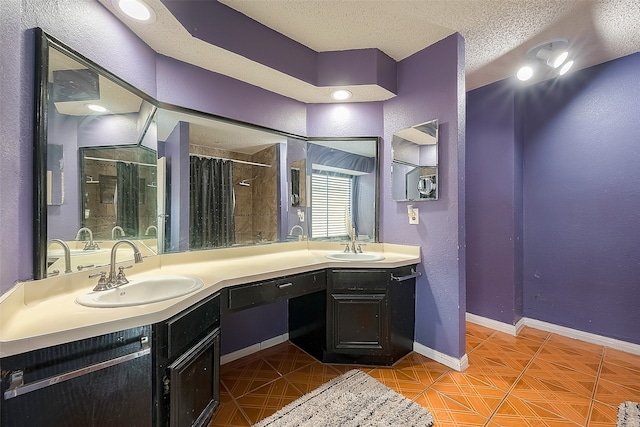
(525, 73)
(565, 68)
(136, 9)
(559, 58)
(96, 108)
(341, 95)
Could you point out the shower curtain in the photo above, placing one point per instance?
(211, 203)
(127, 198)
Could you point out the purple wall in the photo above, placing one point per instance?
(494, 204)
(582, 200)
(196, 88)
(223, 26)
(343, 120)
(357, 67)
(176, 150)
(431, 86)
(572, 146)
(95, 33)
(248, 327)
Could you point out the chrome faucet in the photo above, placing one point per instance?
(353, 245)
(67, 253)
(116, 279)
(296, 227)
(149, 228)
(113, 232)
(90, 245)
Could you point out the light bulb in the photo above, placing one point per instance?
(136, 9)
(559, 58)
(525, 73)
(341, 95)
(565, 68)
(96, 108)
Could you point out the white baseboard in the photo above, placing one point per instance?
(238, 354)
(584, 336)
(556, 329)
(496, 325)
(457, 364)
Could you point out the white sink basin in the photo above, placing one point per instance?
(142, 291)
(349, 256)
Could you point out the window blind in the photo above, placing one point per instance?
(330, 203)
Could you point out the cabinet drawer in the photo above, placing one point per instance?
(191, 325)
(254, 294)
(360, 280)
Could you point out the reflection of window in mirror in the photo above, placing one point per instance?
(331, 204)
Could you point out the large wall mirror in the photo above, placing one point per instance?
(112, 163)
(95, 164)
(343, 188)
(414, 166)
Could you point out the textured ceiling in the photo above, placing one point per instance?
(497, 35)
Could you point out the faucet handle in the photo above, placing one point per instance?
(347, 247)
(102, 281)
(121, 279)
(91, 246)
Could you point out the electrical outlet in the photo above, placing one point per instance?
(301, 215)
(415, 218)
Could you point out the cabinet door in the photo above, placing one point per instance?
(102, 381)
(359, 323)
(193, 384)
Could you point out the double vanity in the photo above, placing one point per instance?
(148, 352)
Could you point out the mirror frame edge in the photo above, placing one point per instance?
(43, 43)
(40, 118)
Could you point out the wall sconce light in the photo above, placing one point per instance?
(553, 53)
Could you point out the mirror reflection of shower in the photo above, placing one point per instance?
(117, 200)
(246, 182)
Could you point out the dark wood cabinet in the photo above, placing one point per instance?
(359, 323)
(100, 381)
(370, 315)
(249, 295)
(187, 366)
(165, 374)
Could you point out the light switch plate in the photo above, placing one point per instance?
(416, 217)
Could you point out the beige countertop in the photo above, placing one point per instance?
(44, 313)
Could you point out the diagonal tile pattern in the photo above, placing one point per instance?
(535, 379)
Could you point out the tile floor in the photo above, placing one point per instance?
(535, 379)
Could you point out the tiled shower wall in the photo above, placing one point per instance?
(99, 183)
(256, 215)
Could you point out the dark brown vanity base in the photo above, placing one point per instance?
(366, 316)
(167, 374)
